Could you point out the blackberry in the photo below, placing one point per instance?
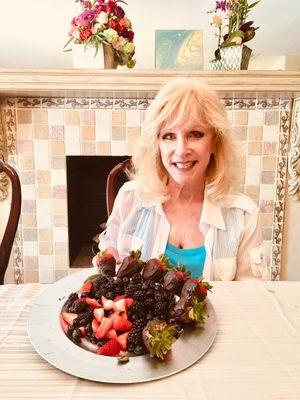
(78, 306)
(73, 296)
(76, 336)
(139, 324)
(68, 304)
(119, 290)
(125, 280)
(160, 309)
(108, 286)
(70, 331)
(110, 295)
(139, 295)
(89, 329)
(130, 289)
(136, 278)
(134, 337)
(136, 307)
(149, 293)
(158, 296)
(149, 315)
(83, 319)
(149, 303)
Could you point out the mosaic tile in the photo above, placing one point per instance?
(103, 125)
(30, 248)
(240, 117)
(77, 103)
(43, 213)
(45, 234)
(87, 117)
(133, 118)
(72, 117)
(227, 103)
(43, 192)
(271, 117)
(58, 162)
(244, 104)
(60, 220)
(30, 262)
(87, 133)
(41, 132)
(133, 133)
(45, 248)
(143, 104)
(104, 148)
(118, 133)
(46, 276)
(128, 104)
(267, 103)
(29, 220)
(24, 117)
(40, 117)
(60, 273)
(29, 235)
(255, 118)
(42, 177)
(29, 102)
(118, 117)
(101, 103)
(118, 148)
(56, 117)
(31, 276)
(88, 148)
(53, 102)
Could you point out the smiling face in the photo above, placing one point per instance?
(185, 151)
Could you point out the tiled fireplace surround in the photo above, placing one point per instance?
(41, 132)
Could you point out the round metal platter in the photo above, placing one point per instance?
(49, 340)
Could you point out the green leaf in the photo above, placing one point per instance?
(253, 4)
(93, 277)
(68, 42)
(238, 33)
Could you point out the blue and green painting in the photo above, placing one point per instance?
(179, 49)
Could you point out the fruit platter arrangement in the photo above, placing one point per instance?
(139, 308)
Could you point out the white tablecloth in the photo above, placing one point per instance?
(256, 354)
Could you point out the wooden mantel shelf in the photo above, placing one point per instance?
(86, 82)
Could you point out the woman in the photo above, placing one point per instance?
(181, 200)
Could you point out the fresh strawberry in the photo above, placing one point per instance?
(122, 324)
(113, 315)
(105, 326)
(181, 274)
(69, 317)
(110, 348)
(83, 330)
(122, 339)
(107, 304)
(120, 305)
(95, 325)
(129, 302)
(122, 296)
(86, 287)
(98, 314)
(203, 292)
(64, 324)
(111, 334)
(92, 302)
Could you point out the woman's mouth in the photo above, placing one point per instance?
(184, 165)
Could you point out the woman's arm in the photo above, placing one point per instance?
(251, 260)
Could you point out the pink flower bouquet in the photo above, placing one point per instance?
(104, 22)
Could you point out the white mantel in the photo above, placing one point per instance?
(83, 82)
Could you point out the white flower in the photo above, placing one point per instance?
(118, 44)
(102, 18)
(129, 48)
(110, 35)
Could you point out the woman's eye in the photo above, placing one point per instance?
(197, 134)
(168, 136)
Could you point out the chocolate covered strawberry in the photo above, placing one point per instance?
(106, 263)
(155, 268)
(158, 337)
(175, 278)
(131, 265)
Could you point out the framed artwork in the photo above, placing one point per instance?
(179, 49)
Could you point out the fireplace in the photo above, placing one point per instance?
(86, 198)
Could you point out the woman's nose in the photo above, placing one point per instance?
(182, 146)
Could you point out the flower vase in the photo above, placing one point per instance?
(84, 56)
(233, 58)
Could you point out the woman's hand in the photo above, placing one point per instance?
(115, 253)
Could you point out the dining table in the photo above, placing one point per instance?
(255, 354)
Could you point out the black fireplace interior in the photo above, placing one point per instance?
(86, 182)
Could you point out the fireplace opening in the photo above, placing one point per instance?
(86, 182)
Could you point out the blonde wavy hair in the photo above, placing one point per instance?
(178, 98)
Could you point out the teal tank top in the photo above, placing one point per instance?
(193, 259)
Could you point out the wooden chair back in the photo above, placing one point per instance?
(13, 219)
